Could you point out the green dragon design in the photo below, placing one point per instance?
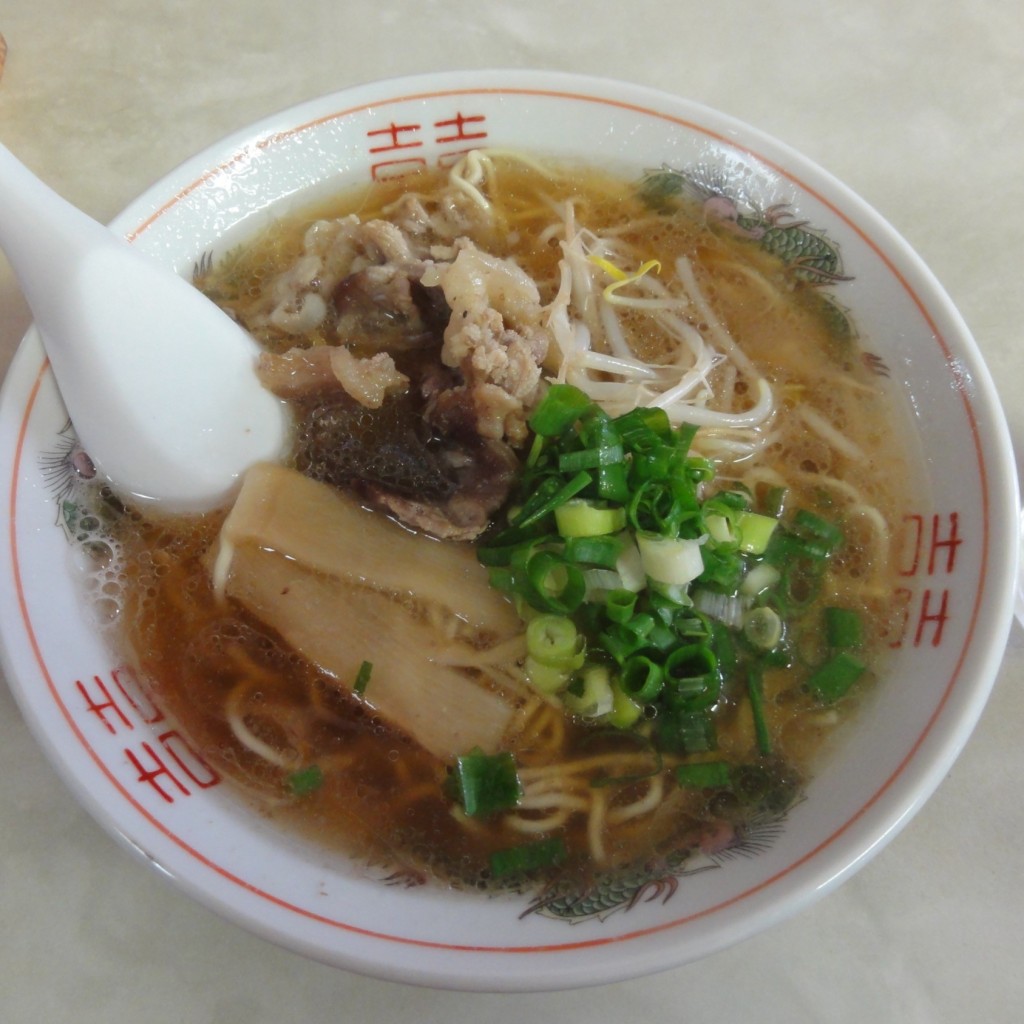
(660, 878)
(808, 256)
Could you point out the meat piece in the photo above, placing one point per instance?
(445, 485)
(495, 337)
(303, 373)
(369, 380)
(297, 373)
(432, 307)
(484, 410)
(376, 255)
(439, 370)
(383, 242)
(388, 449)
(298, 307)
(376, 307)
(484, 477)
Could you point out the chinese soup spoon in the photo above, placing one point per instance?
(159, 383)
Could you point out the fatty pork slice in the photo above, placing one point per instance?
(342, 586)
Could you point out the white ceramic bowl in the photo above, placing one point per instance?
(138, 776)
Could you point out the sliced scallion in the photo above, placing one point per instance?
(703, 775)
(619, 605)
(306, 780)
(601, 551)
(555, 584)
(755, 531)
(554, 640)
(673, 560)
(755, 690)
(590, 458)
(578, 518)
(520, 860)
(843, 628)
(362, 679)
(594, 697)
(486, 783)
(560, 407)
(641, 679)
(546, 679)
(625, 711)
(762, 627)
(834, 679)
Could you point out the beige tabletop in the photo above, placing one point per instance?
(917, 105)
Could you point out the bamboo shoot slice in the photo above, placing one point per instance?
(338, 626)
(318, 526)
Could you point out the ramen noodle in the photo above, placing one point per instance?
(582, 550)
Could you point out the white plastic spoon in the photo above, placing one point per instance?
(160, 384)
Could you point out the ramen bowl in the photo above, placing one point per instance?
(137, 771)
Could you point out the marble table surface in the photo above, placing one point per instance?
(918, 106)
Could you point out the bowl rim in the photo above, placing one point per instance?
(885, 815)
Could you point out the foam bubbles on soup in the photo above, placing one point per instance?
(314, 754)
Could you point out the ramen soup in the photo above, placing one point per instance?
(582, 548)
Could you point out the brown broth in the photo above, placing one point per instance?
(383, 799)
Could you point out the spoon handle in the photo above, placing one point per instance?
(42, 234)
(158, 381)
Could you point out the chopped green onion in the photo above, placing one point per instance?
(692, 625)
(502, 579)
(600, 551)
(755, 690)
(835, 677)
(547, 499)
(613, 482)
(625, 712)
(719, 529)
(641, 624)
(817, 532)
(763, 627)
(755, 531)
(723, 566)
(619, 605)
(642, 596)
(775, 502)
(600, 582)
(578, 518)
(558, 410)
(843, 628)
(362, 679)
(704, 775)
(536, 447)
(692, 673)
(641, 679)
(687, 733)
(590, 458)
(644, 426)
(546, 679)
(759, 579)
(685, 433)
(555, 585)
(594, 697)
(673, 560)
(306, 780)
(486, 783)
(663, 638)
(553, 640)
(630, 567)
(724, 649)
(520, 860)
(727, 503)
